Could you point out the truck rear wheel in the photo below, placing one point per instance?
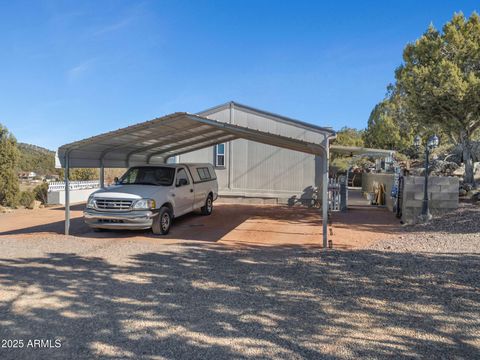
(162, 222)
(208, 207)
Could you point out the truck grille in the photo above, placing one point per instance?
(111, 204)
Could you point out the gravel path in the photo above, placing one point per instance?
(132, 299)
(413, 296)
(456, 232)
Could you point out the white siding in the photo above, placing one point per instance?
(259, 170)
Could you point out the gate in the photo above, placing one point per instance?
(334, 196)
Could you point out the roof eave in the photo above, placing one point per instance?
(266, 113)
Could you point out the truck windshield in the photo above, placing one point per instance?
(162, 176)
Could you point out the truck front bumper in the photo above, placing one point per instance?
(131, 220)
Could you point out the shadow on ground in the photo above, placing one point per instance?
(363, 218)
(214, 302)
(192, 226)
(245, 224)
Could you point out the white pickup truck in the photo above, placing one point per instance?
(152, 196)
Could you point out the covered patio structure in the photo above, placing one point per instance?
(154, 142)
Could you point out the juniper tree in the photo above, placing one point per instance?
(9, 155)
(440, 81)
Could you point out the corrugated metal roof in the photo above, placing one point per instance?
(355, 150)
(269, 114)
(152, 142)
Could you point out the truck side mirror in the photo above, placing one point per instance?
(116, 180)
(182, 182)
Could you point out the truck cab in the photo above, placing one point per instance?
(152, 196)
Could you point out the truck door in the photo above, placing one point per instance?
(184, 192)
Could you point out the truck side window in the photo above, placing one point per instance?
(182, 174)
(132, 175)
(203, 173)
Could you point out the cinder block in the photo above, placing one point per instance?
(451, 188)
(433, 188)
(434, 180)
(418, 195)
(447, 180)
(444, 196)
(439, 180)
(412, 209)
(413, 203)
(412, 188)
(419, 180)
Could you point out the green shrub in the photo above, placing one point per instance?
(41, 192)
(8, 163)
(26, 198)
(9, 188)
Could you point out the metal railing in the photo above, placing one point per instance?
(334, 195)
(74, 185)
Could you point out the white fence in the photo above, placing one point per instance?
(74, 185)
(80, 191)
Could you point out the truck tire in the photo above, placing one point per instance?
(162, 222)
(208, 207)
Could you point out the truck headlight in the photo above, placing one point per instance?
(144, 204)
(91, 202)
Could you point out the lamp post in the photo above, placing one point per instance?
(432, 143)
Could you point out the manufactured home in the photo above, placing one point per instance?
(249, 169)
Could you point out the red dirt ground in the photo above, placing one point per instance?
(259, 225)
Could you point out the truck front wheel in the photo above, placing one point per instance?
(208, 207)
(162, 222)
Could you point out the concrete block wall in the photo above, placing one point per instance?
(442, 196)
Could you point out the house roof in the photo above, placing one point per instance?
(268, 114)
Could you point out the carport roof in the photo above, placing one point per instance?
(360, 151)
(154, 141)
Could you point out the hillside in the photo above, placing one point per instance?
(37, 159)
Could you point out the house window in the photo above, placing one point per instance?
(220, 155)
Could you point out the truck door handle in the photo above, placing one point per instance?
(191, 190)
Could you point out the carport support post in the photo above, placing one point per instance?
(325, 199)
(67, 194)
(102, 175)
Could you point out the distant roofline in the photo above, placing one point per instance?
(266, 113)
(359, 150)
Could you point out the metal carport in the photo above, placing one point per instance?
(153, 142)
(355, 151)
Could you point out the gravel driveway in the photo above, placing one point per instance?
(457, 232)
(144, 298)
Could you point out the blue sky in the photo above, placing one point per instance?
(72, 69)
